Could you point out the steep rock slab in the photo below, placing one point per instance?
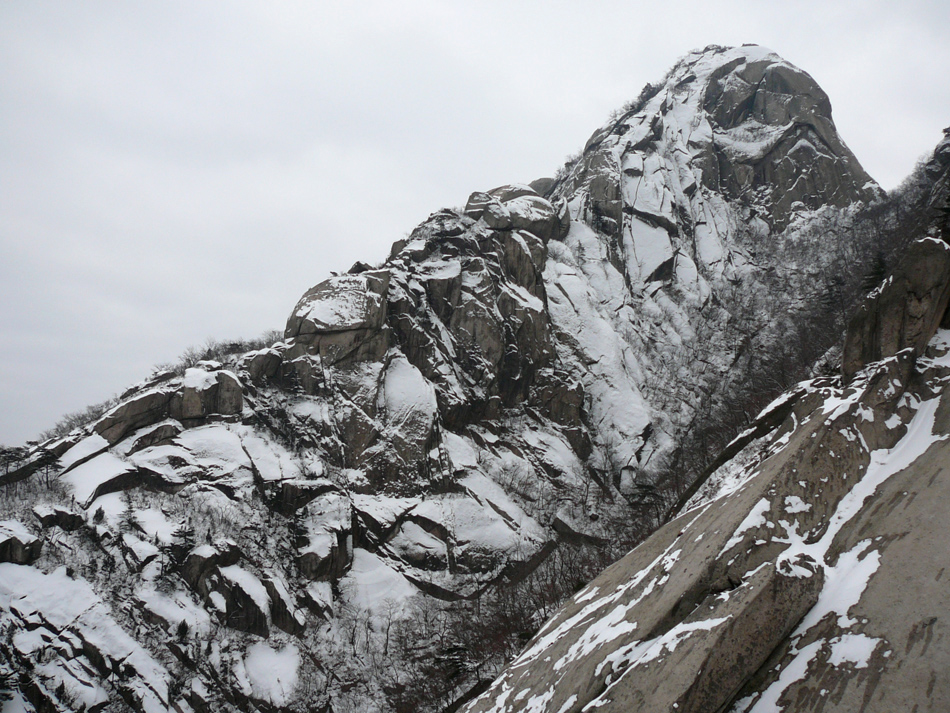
(701, 663)
(846, 509)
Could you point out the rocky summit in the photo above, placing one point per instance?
(378, 509)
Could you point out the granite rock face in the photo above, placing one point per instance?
(905, 311)
(739, 123)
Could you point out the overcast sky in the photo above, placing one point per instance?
(171, 172)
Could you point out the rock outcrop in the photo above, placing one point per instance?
(17, 544)
(905, 311)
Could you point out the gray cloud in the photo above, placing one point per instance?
(172, 172)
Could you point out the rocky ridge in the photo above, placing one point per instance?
(514, 380)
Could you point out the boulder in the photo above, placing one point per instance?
(58, 516)
(534, 214)
(542, 186)
(342, 319)
(204, 393)
(904, 311)
(142, 410)
(512, 191)
(486, 207)
(340, 304)
(17, 545)
(261, 365)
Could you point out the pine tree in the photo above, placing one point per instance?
(183, 542)
(46, 461)
(128, 521)
(10, 456)
(181, 632)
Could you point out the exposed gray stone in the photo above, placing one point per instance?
(17, 545)
(282, 610)
(905, 311)
(58, 516)
(139, 411)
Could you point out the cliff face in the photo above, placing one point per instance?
(806, 573)
(515, 380)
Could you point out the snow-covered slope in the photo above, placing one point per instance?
(505, 399)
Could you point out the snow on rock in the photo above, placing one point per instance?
(17, 544)
(270, 674)
(173, 608)
(87, 448)
(103, 474)
(372, 585)
(156, 524)
(246, 600)
(340, 303)
(407, 400)
(516, 375)
(72, 618)
(272, 461)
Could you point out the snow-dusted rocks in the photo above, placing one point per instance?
(51, 515)
(72, 644)
(340, 319)
(204, 393)
(17, 544)
(200, 394)
(325, 538)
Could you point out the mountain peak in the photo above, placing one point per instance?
(741, 123)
